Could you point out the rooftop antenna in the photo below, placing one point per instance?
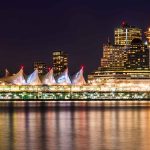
(126, 36)
(125, 25)
(108, 40)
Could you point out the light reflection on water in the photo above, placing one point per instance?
(75, 126)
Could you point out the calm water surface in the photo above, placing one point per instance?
(74, 126)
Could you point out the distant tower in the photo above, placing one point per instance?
(147, 33)
(60, 62)
(125, 34)
(41, 67)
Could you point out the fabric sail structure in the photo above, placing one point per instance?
(33, 79)
(78, 78)
(17, 79)
(49, 79)
(64, 78)
(7, 73)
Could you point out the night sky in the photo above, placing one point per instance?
(31, 30)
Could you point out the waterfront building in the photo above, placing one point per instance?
(124, 34)
(125, 58)
(101, 76)
(41, 67)
(114, 57)
(132, 59)
(60, 62)
(48, 79)
(137, 55)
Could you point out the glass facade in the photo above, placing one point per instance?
(60, 62)
(137, 56)
(114, 57)
(125, 35)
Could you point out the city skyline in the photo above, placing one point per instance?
(32, 31)
(143, 37)
(74, 74)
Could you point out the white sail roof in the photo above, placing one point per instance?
(17, 78)
(64, 78)
(78, 78)
(49, 79)
(34, 79)
(6, 72)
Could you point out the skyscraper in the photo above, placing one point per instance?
(137, 56)
(125, 34)
(114, 57)
(147, 33)
(60, 62)
(41, 67)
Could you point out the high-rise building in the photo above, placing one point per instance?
(147, 33)
(128, 58)
(114, 57)
(41, 67)
(125, 34)
(137, 56)
(60, 62)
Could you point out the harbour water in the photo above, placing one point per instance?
(75, 125)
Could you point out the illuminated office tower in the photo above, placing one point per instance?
(60, 62)
(114, 57)
(137, 56)
(125, 34)
(41, 67)
(147, 33)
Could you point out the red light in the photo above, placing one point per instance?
(82, 66)
(22, 67)
(123, 23)
(49, 68)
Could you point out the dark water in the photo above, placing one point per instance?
(75, 126)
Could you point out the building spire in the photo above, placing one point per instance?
(108, 40)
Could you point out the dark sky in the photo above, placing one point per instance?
(31, 30)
